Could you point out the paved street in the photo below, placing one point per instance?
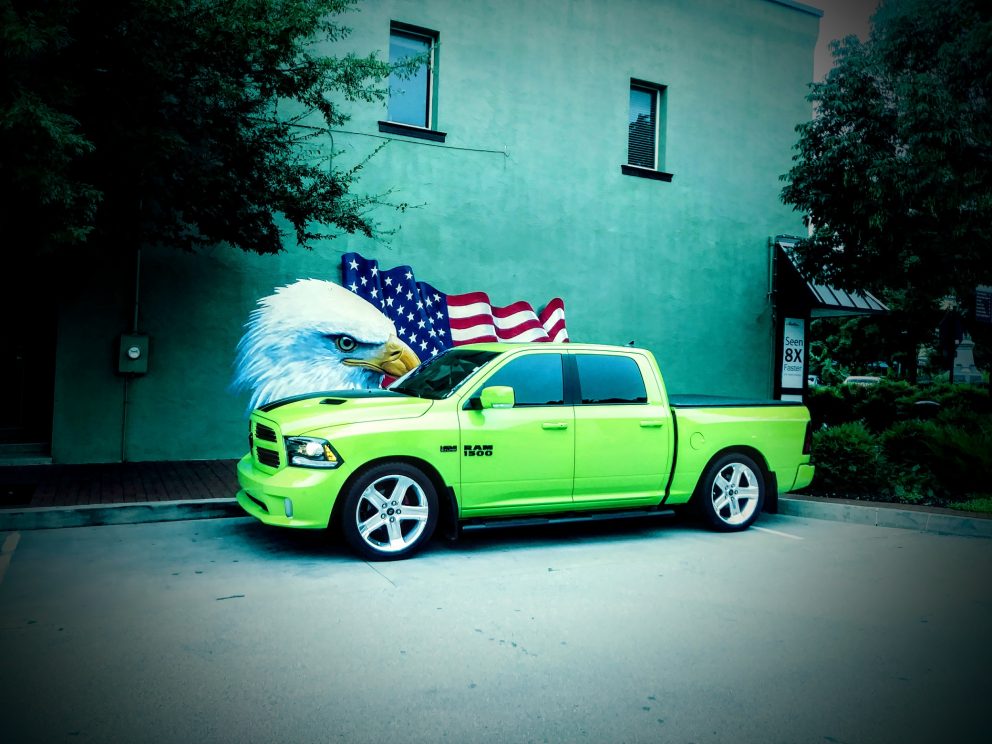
(227, 631)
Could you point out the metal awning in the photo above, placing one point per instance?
(823, 300)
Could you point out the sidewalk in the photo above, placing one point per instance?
(49, 496)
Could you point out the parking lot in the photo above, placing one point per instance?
(227, 631)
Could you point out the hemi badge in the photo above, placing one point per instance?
(449, 448)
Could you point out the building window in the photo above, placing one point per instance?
(412, 92)
(645, 131)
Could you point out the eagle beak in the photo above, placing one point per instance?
(397, 358)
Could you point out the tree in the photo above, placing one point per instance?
(894, 171)
(177, 122)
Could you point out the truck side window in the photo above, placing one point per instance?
(536, 380)
(610, 379)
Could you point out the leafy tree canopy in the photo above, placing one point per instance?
(895, 168)
(177, 122)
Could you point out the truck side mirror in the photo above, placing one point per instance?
(497, 396)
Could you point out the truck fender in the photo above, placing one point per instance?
(448, 517)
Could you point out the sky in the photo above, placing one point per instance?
(840, 18)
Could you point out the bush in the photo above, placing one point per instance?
(827, 407)
(869, 442)
(908, 454)
(937, 459)
(847, 461)
(880, 406)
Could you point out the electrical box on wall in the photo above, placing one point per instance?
(132, 358)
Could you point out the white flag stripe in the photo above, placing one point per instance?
(531, 334)
(467, 311)
(557, 315)
(560, 336)
(515, 319)
(465, 334)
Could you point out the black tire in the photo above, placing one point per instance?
(731, 492)
(389, 512)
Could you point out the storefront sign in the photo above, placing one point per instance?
(793, 353)
(983, 304)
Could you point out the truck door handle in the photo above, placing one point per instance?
(554, 425)
(652, 424)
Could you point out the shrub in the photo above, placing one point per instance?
(936, 458)
(908, 454)
(827, 407)
(847, 461)
(880, 406)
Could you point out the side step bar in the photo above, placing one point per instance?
(564, 518)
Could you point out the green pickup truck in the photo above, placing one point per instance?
(492, 433)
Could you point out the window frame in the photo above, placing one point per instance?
(577, 389)
(473, 401)
(659, 105)
(427, 132)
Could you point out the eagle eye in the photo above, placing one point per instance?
(345, 343)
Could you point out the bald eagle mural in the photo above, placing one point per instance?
(315, 335)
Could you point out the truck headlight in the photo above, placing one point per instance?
(311, 452)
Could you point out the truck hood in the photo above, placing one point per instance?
(302, 414)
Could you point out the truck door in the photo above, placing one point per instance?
(623, 431)
(518, 459)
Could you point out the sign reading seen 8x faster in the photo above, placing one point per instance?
(793, 341)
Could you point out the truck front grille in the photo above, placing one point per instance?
(266, 433)
(267, 456)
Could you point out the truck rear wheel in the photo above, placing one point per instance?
(389, 512)
(732, 492)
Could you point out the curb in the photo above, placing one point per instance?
(54, 517)
(907, 519)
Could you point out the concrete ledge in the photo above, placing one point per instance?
(52, 517)
(869, 514)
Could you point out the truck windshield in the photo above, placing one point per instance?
(439, 377)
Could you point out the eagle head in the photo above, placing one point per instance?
(315, 335)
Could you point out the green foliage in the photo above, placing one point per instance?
(874, 445)
(847, 461)
(895, 169)
(951, 459)
(179, 122)
(980, 505)
(880, 406)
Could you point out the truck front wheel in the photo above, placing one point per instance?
(389, 512)
(732, 492)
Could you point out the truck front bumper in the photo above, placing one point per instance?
(291, 497)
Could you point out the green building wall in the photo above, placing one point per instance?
(525, 199)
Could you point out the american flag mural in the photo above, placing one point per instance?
(431, 321)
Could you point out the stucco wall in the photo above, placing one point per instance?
(535, 207)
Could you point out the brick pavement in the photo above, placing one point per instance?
(115, 483)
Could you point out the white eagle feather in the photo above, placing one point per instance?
(314, 335)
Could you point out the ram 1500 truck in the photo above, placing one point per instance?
(484, 433)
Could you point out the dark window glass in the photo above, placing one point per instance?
(641, 140)
(409, 96)
(610, 379)
(536, 380)
(440, 377)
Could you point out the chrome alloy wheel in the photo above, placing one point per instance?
(735, 493)
(392, 513)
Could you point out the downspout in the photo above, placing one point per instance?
(134, 330)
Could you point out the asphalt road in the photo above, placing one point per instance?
(227, 631)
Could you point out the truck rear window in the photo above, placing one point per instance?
(607, 379)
